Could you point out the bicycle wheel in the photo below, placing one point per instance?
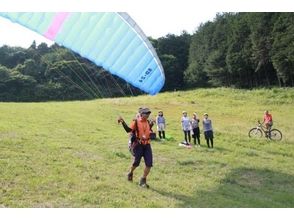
(255, 133)
(275, 135)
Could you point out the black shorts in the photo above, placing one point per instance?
(196, 132)
(208, 134)
(270, 123)
(144, 151)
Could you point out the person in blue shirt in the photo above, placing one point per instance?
(208, 132)
(160, 121)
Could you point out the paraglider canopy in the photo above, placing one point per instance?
(109, 39)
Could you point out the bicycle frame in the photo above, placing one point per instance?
(263, 128)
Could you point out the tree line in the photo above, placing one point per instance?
(241, 50)
(42, 73)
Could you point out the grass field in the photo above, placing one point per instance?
(74, 154)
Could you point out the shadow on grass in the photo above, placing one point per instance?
(242, 187)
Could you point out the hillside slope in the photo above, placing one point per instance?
(74, 154)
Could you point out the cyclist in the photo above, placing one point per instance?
(267, 120)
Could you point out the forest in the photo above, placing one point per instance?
(238, 50)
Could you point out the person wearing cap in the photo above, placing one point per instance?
(160, 121)
(186, 127)
(195, 128)
(208, 132)
(141, 128)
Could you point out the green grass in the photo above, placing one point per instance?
(74, 154)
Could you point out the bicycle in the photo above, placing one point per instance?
(260, 130)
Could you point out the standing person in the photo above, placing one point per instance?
(186, 126)
(207, 128)
(195, 128)
(160, 121)
(141, 127)
(268, 120)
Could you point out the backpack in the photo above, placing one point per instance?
(152, 135)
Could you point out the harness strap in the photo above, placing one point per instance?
(136, 132)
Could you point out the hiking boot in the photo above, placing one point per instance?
(130, 176)
(143, 183)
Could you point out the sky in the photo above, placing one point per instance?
(154, 26)
(156, 18)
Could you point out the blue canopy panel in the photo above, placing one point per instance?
(111, 40)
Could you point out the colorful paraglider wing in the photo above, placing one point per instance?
(111, 40)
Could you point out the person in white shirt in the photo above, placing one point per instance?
(186, 126)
